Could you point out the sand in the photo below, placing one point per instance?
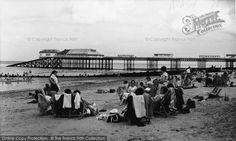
(214, 119)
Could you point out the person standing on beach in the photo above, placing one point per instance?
(188, 73)
(54, 81)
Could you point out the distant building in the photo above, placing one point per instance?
(163, 55)
(48, 53)
(79, 53)
(126, 55)
(230, 55)
(209, 56)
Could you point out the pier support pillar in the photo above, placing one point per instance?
(201, 63)
(229, 64)
(129, 64)
(175, 64)
(152, 64)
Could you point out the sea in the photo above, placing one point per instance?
(40, 82)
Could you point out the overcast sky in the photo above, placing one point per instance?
(139, 27)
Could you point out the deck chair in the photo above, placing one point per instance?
(164, 106)
(214, 95)
(215, 90)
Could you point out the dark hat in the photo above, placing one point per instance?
(68, 91)
(54, 71)
(163, 68)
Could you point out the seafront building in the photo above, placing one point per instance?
(163, 55)
(126, 55)
(70, 53)
(209, 56)
(230, 55)
(80, 53)
(48, 53)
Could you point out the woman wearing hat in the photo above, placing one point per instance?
(54, 81)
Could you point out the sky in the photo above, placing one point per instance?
(112, 27)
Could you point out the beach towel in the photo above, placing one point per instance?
(77, 101)
(67, 101)
(139, 105)
(129, 113)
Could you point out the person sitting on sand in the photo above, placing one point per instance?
(125, 86)
(216, 80)
(122, 92)
(132, 87)
(54, 81)
(157, 99)
(44, 103)
(171, 92)
(141, 85)
(225, 79)
(164, 76)
(35, 96)
(208, 81)
(47, 89)
(154, 88)
(148, 80)
(149, 86)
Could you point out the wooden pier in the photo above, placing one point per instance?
(107, 63)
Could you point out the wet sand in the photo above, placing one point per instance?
(214, 119)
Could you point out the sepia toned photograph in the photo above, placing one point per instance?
(117, 70)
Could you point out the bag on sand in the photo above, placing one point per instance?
(191, 103)
(185, 110)
(114, 118)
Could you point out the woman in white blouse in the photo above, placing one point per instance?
(132, 88)
(54, 81)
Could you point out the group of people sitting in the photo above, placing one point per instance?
(151, 98)
(63, 104)
(51, 100)
(217, 80)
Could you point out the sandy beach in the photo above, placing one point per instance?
(214, 119)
